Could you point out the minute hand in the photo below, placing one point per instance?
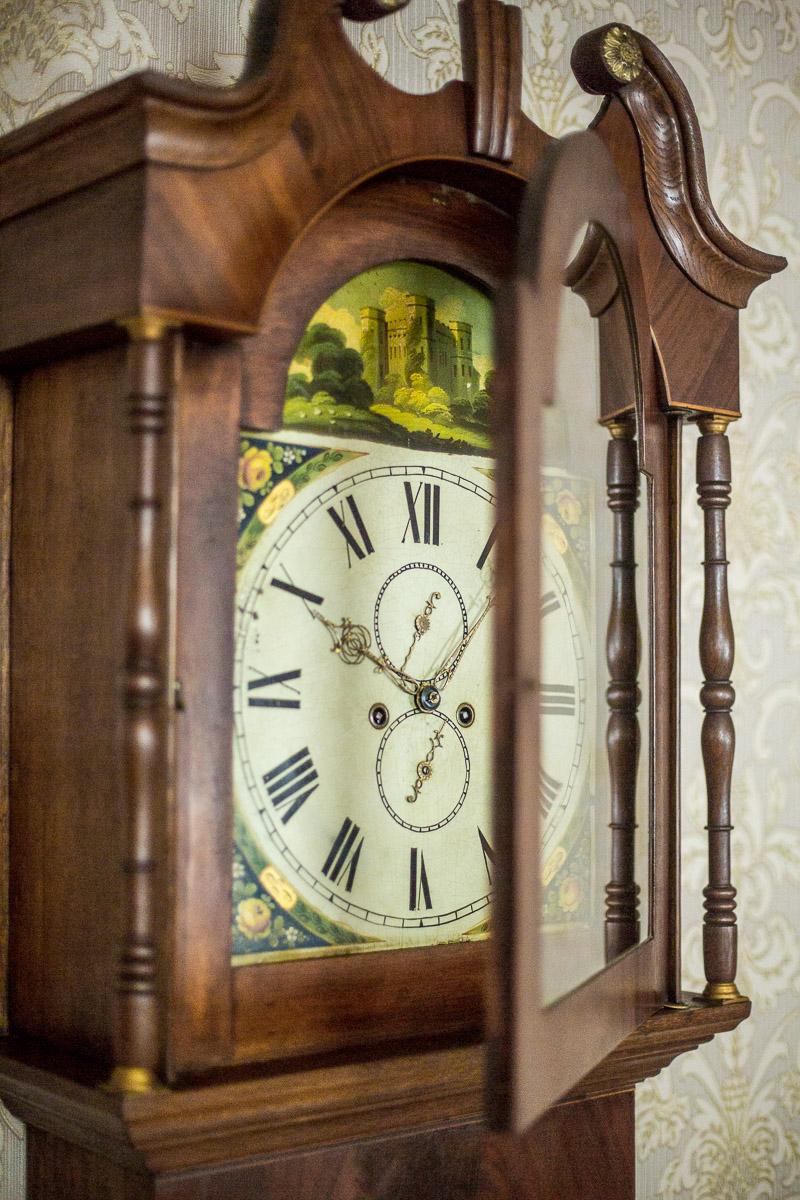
(446, 673)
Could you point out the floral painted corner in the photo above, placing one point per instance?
(270, 920)
(271, 473)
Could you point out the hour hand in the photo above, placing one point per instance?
(353, 644)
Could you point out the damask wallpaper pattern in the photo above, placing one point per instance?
(723, 1123)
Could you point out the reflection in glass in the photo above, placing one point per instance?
(593, 788)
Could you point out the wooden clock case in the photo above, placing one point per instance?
(162, 247)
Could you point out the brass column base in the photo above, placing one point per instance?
(722, 993)
(133, 1079)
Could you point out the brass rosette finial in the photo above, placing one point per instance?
(622, 54)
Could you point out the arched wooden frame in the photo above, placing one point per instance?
(369, 997)
(595, 275)
(391, 218)
(576, 185)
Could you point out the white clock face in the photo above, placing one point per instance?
(564, 735)
(362, 697)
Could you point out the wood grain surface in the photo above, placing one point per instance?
(491, 42)
(235, 213)
(139, 1041)
(623, 694)
(718, 738)
(673, 165)
(576, 186)
(71, 555)
(6, 460)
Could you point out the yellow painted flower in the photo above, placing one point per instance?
(255, 469)
(554, 533)
(253, 918)
(569, 507)
(274, 883)
(569, 894)
(280, 495)
(553, 865)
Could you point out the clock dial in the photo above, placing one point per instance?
(362, 703)
(563, 732)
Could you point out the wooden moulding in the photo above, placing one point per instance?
(237, 1119)
(6, 444)
(669, 1032)
(491, 39)
(211, 186)
(614, 60)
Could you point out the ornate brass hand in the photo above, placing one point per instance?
(446, 672)
(422, 623)
(353, 644)
(425, 766)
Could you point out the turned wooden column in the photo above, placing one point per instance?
(138, 1042)
(623, 649)
(716, 697)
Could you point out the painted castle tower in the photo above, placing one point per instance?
(410, 339)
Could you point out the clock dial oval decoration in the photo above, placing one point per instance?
(362, 710)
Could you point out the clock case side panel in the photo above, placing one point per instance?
(6, 461)
(276, 1011)
(71, 559)
(207, 418)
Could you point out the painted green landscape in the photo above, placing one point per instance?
(401, 353)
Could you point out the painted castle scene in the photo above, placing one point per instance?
(401, 352)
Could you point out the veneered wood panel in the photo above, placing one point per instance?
(207, 423)
(583, 1150)
(55, 268)
(6, 448)
(69, 572)
(579, 1150)
(359, 1000)
(57, 1169)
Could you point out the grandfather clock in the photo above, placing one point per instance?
(342, 783)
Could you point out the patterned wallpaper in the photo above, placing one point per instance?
(723, 1123)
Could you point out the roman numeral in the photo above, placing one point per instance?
(488, 854)
(430, 512)
(358, 542)
(344, 854)
(291, 783)
(549, 603)
(557, 700)
(419, 892)
(309, 597)
(548, 790)
(487, 549)
(266, 681)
